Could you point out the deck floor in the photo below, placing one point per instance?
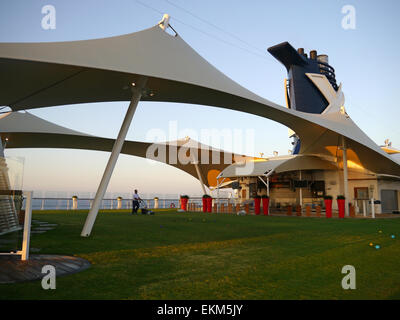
(13, 270)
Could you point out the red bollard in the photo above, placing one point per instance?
(265, 203)
(184, 202)
(352, 211)
(204, 204)
(318, 211)
(298, 211)
(209, 204)
(328, 207)
(341, 205)
(308, 211)
(237, 208)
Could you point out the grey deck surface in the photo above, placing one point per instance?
(13, 270)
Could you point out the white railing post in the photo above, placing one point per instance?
(356, 208)
(373, 208)
(364, 208)
(345, 176)
(74, 203)
(27, 226)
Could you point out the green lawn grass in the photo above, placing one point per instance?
(217, 256)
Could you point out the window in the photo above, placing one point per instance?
(361, 193)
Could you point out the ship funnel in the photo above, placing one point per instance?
(301, 93)
(323, 58)
(313, 54)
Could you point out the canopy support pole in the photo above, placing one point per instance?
(301, 192)
(263, 182)
(136, 96)
(267, 176)
(218, 186)
(345, 176)
(196, 165)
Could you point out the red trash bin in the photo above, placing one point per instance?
(184, 201)
(265, 203)
(341, 206)
(209, 204)
(328, 207)
(204, 204)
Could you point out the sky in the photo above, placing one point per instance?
(234, 37)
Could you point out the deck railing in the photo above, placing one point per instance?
(111, 204)
(194, 204)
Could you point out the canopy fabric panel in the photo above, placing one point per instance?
(26, 122)
(24, 130)
(225, 184)
(291, 163)
(60, 68)
(306, 163)
(251, 168)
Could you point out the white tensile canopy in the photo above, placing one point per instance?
(25, 130)
(37, 75)
(153, 65)
(279, 164)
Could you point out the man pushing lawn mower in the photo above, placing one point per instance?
(143, 208)
(135, 202)
(138, 203)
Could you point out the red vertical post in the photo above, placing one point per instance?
(328, 207)
(209, 204)
(265, 203)
(184, 202)
(341, 207)
(204, 204)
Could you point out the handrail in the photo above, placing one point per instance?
(44, 203)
